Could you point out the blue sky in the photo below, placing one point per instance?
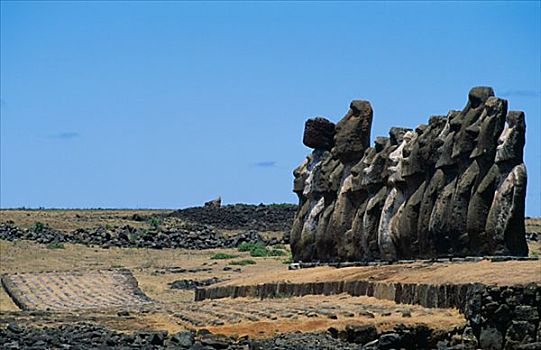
(169, 104)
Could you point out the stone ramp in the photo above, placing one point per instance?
(309, 313)
(74, 290)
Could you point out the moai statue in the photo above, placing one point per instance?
(453, 161)
(319, 135)
(454, 187)
(353, 249)
(440, 153)
(351, 140)
(417, 170)
(486, 130)
(481, 103)
(387, 238)
(504, 229)
(374, 178)
(331, 174)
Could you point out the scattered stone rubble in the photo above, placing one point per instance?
(184, 235)
(193, 284)
(88, 336)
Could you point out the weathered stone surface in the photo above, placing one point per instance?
(353, 132)
(498, 317)
(505, 221)
(491, 338)
(453, 187)
(318, 133)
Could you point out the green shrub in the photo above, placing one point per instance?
(246, 247)
(255, 249)
(277, 252)
(141, 232)
(259, 251)
(243, 262)
(55, 245)
(279, 246)
(154, 222)
(219, 256)
(39, 227)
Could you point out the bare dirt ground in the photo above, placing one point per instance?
(486, 272)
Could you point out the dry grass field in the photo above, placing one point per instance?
(70, 219)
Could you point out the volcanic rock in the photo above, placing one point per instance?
(454, 187)
(318, 133)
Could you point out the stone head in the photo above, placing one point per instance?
(419, 154)
(465, 136)
(352, 135)
(396, 158)
(511, 141)
(489, 127)
(445, 140)
(375, 172)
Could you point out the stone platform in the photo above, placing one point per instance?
(501, 301)
(74, 290)
(444, 284)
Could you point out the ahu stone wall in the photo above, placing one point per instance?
(453, 187)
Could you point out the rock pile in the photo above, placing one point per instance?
(185, 235)
(453, 187)
(506, 317)
(404, 337)
(274, 217)
(193, 284)
(87, 336)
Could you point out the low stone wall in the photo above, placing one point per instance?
(500, 317)
(427, 295)
(506, 317)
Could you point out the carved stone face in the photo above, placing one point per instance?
(397, 156)
(300, 175)
(511, 141)
(445, 138)
(357, 170)
(376, 173)
(353, 132)
(396, 135)
(489, 126)
(465, 136)
(420, 153)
